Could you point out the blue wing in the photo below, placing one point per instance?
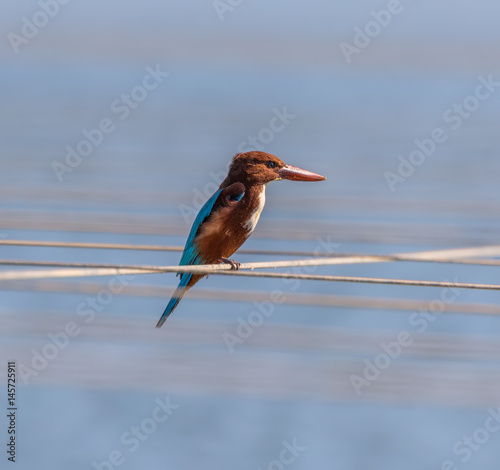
(191, 254)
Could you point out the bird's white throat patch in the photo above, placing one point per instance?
(254, 218)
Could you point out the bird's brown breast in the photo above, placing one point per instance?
(230, 226)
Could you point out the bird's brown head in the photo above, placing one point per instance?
(256, 168)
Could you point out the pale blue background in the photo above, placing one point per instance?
(352, 123)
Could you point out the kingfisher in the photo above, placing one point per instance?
(230, 216)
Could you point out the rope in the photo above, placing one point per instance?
(100, 269)
(96, 270)
(348, 258)
(341, 259)
(208, 269)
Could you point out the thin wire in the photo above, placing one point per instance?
(124, 246)
(226, 270)
(493, 250)
(367, 280)
(342, 259)
(208, 269)
(404, 257)
(99, 269)
(107, 246)
(168, 248)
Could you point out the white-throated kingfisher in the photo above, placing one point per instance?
(230, 216)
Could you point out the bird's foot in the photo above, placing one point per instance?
(234, 264)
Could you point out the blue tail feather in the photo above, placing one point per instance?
(176, 298)
(190, 256)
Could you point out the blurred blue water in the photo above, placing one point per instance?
(352, 122)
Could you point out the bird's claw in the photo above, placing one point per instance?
(234, 264)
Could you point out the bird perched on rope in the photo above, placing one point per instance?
(230, 216)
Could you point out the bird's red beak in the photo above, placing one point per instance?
(289, 172)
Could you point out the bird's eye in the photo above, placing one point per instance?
(271, 164)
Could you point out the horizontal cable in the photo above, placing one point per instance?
(99, 269)
(135, 247)
(208, 269)
(226, 270)
(429, 256)
(108, 246)
(367, 280)
(168, 248)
